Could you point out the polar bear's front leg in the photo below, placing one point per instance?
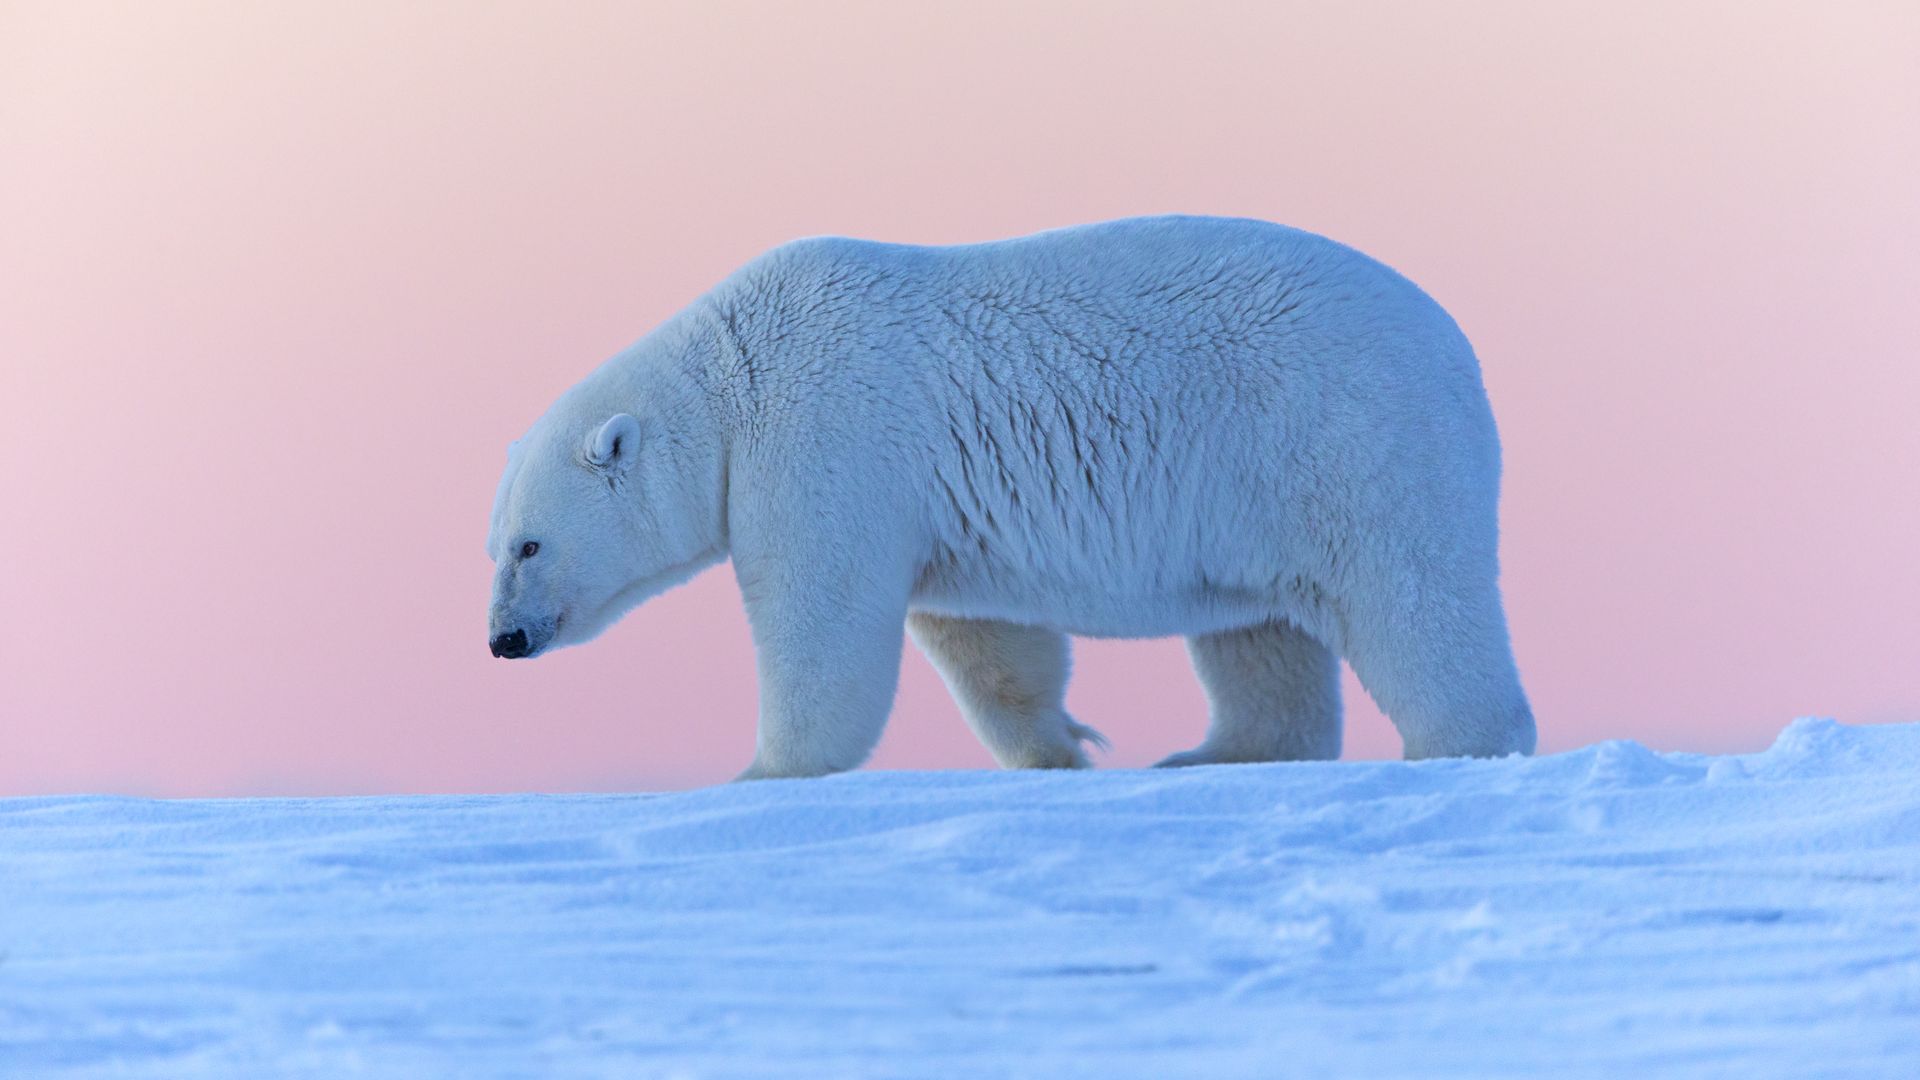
(824, 547)
(828, 669)
(1010, 682)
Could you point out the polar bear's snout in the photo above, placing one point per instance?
(514, 639)
(510, 646)
(524, 617)
(514, 633)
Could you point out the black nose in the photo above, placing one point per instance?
(510, 646)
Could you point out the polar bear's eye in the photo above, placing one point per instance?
(529, 549)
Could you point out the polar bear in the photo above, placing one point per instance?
(1224, 429)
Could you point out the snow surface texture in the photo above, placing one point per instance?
(1610, 911)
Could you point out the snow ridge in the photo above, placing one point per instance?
(1596, 912)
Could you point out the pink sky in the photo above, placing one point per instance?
(278, 283)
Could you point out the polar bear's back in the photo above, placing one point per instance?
(1150, 413)
(1164, 296)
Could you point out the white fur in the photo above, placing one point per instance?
(1223, 429)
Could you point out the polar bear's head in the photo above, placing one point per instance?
(592, 517)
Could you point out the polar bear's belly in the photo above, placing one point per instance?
(1093, 550)
(1085, 605)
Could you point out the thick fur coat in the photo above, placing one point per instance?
(1228, 430)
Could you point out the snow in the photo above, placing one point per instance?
(1602, 912)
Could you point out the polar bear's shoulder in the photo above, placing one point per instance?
(831, 257)
(815, 272)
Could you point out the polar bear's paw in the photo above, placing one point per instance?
(1036, 739)
(1207, 755)
(1088, 735)
(1062, 754)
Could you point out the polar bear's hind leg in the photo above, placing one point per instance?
(1443, 672)
(1010, 682)
(1274, 692)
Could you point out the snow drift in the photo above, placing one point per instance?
(1600, 912)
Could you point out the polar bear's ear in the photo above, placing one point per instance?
(614, 444)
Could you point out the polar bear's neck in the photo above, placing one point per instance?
(669, 376)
